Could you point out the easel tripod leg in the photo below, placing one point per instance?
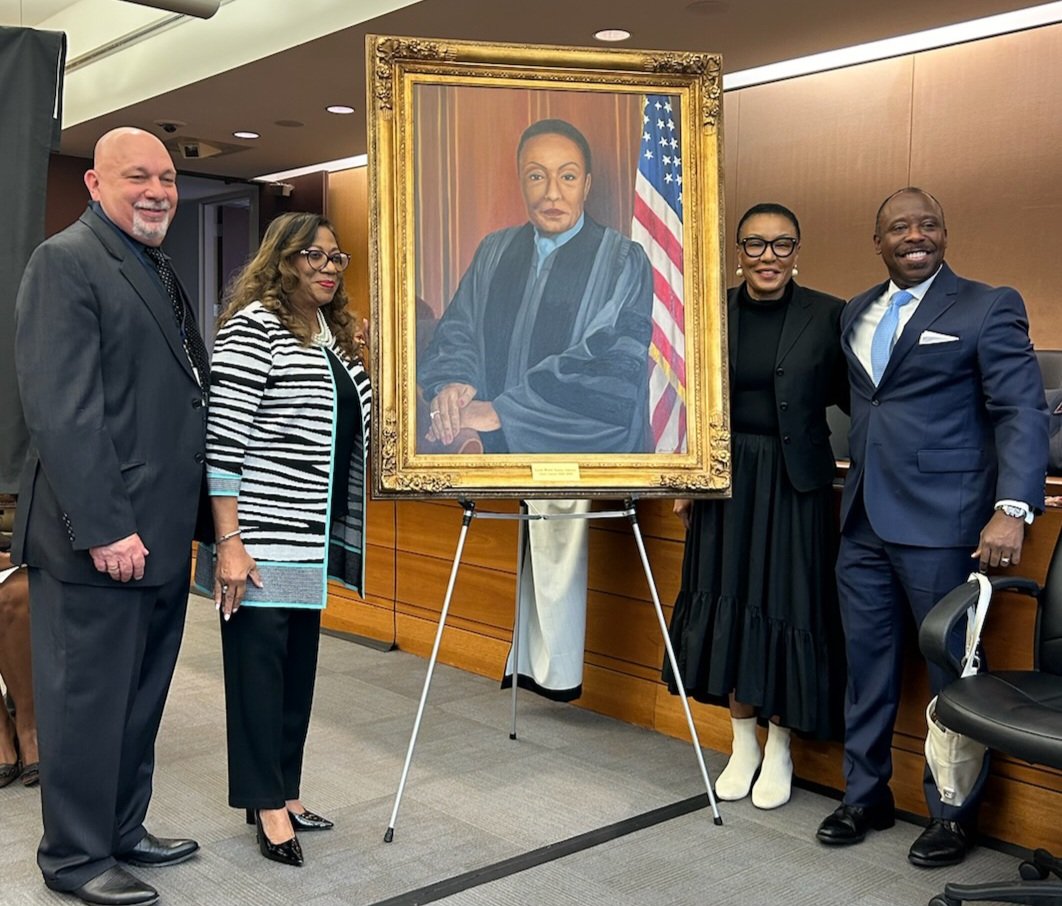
(466, 521)
(673, 661)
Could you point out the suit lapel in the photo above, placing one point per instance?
(797, 318)
(940, 298)
(853, 311)
(146, 286)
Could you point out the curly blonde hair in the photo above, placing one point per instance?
(270, 277)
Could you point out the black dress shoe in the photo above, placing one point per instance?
(151, 852)
(287, 853)
(31, 774)
(308, 821)
(115, 887)
(849, 823)
(941, 843)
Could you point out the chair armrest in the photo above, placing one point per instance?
(939, 623)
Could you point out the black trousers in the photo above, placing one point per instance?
(103, 658)
(270, 656)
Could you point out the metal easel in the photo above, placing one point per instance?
(629, 512)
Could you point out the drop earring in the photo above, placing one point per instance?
(796, 271)
(739, 271)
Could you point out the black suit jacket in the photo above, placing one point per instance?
(809, 375)
(116, 417)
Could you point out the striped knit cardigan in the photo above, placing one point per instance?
(270, 441)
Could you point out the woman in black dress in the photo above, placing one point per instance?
(756, 625)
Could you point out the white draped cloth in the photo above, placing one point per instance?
(553, 602)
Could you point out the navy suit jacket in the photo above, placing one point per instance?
(953, 426)
(117, 421)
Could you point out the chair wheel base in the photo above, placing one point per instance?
(1030, 871)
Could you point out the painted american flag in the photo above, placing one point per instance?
(657, 226)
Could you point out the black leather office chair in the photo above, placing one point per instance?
(1050, 361)
(1018, 712)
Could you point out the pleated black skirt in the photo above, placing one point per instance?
(757, 613)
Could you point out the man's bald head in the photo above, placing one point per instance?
(135, 182)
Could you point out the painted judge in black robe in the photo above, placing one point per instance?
(545, 345)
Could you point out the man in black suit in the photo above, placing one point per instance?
(949, 450)
(111, 371)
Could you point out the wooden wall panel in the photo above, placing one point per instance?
(616, 568)
(348, 207)
(67, 194)
(830, 147)
(985, 140)
(625, 629)
(432, 529)
(482, 596)
(731, 177)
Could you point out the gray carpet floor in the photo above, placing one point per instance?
(474, 798)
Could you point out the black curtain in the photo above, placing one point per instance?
(31, 93)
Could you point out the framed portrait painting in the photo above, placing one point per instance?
(546, 271)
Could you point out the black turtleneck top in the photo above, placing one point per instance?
(752, 400)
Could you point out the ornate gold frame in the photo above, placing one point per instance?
(395, 66)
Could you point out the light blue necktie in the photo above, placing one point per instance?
(885, 334)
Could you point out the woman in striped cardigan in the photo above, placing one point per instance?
(286, 446)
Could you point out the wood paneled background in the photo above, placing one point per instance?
(977, 125)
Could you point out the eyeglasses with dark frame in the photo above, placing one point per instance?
(755, 246)
(317, 259)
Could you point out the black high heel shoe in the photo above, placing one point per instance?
(308, 821)
(287, 853)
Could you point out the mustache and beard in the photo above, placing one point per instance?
(148, 231)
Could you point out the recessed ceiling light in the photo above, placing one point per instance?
(243, 133)
(612, 34)
(339, 108)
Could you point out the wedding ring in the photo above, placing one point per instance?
(224, 589)
(1004, 560)
(435, 413)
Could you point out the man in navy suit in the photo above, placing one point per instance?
(113, 374)
(949, 451)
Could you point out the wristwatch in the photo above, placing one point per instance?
(1016, 511)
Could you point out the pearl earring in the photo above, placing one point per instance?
(739, 271)
(796, 270)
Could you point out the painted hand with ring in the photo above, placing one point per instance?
(455, 407)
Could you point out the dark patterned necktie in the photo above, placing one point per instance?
(194, 347)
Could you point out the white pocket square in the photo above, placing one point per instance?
(930, 337)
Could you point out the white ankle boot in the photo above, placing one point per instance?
(736, 779)
(775, 783)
